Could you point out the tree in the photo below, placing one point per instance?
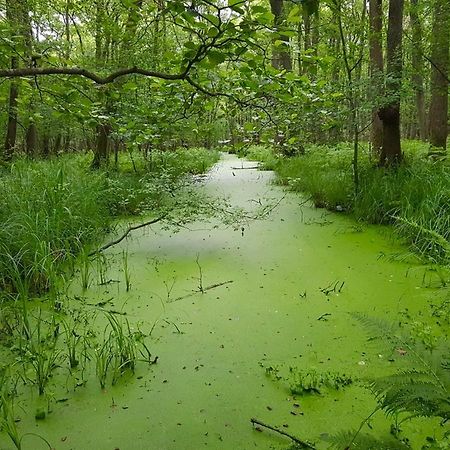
(281, 57)
(417, 60)
(439, 76)
(376, 69)
(391, 152)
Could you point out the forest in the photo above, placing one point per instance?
(224, 224)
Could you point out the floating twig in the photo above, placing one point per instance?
(298, 441)
(207, 288)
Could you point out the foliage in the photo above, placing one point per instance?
(308, 381)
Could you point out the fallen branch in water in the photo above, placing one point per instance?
(126, 233)
(202, 291)
(300, 442)
(245, 168)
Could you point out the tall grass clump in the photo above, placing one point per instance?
(324, 173)
(416, 199)
(49, 210)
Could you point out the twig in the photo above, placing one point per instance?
(245, 168)
(300, 442)
(207, 288)
(126, 233)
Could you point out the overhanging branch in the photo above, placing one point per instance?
(38, 71)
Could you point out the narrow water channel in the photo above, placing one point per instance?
(273, 307)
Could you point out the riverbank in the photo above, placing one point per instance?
(414, 198)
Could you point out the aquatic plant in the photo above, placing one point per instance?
(308, 381)
(126, 270)
(42, 354)
(422, 390)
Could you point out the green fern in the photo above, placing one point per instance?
(421, 391)
(346, 440)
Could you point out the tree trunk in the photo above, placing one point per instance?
(439, 76)
(417, 69)
(376, 70)
(391, 153)
(101, 151)
(281, 56)
(11, 130)
(31, 138)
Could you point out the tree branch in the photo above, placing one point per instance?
(38, 71)
(126, 233)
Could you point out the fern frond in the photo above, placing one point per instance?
(352, 440)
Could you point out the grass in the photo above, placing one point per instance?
(414, 197)
(52, 210)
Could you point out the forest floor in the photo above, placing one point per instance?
(251, 321)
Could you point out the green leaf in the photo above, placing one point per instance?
(215, 57)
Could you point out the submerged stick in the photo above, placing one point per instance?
(126, 233)
(298, 441)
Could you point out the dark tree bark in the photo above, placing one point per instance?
(281, 56)
(31, 139)
(417, 68)
(12, 15)
(439, 76)
(101, 150)
(11, 129)
(376, 69)
(391, 153)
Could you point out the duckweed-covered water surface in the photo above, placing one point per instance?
(248, 321)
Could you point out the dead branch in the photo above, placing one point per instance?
(203, 290)
(126, 233)
(300, 442)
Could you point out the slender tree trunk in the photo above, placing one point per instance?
(391, 152)
(31, 139)
(281, 56)
(299, 48)
(376, 70)
(417, 68)
(13, 16)
(439, 76)
(11, 130)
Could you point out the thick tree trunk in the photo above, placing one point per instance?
(439, 76)
(376, 70)
(391, 152)
(101, 150)
(417, 68)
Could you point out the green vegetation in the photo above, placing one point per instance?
(111, 111)
(53, 209)
(415, 197)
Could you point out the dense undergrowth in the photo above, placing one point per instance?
(52, 209)
(414, 197)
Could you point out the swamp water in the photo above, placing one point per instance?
(284, 288)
